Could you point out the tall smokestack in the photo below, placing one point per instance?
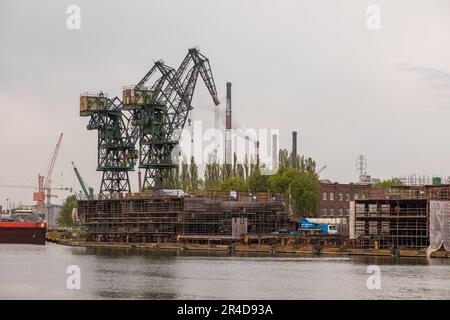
(217, 142)
(228, 153)
(257, 152)
(294, 144)
(139, 181)
(274, 151)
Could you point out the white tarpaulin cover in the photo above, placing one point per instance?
(439, 226)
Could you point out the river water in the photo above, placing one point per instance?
(39, 272)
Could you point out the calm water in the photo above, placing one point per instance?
(30, 272)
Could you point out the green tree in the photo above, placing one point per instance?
(279, 182)
(388, 184)
(302, 185)
(240, 171)
(184, 176)
(65, 218)
(305, 192)
(227, 171)
(284, 160)
(212, 174)
(234, 184)
(309, 165)
(234, 170)
(258, 182)
(193, 171)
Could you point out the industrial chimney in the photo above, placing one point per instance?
(257, 152)
(139, 181)
(294, 144)
(228, 153)
(274, 151)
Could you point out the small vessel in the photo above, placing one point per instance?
(22, 227)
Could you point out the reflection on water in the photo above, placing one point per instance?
(30, 272)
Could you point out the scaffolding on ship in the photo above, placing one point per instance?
(147, 217)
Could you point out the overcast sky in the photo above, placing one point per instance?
(310, 66)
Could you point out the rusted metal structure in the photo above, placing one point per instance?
(397, 218)
(391, 223)
(212, 216)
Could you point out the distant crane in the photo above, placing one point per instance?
(321, 169)
(88, 191)
(44, 182)
(18, 186)
(34, 187)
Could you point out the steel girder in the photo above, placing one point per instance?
(116, 150)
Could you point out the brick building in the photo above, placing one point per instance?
(335, 197)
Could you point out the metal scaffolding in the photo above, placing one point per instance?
(392, 223)
(396, 218)
(148, 217)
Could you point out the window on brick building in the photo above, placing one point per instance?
(356, 196)
(341, 196)
(324, 196)
(341, 212)
(331, 196)
(324, 212)
(331, 212)
(347, 197)
(347, 211)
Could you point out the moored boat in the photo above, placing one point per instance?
(22, 232)
(22, 227)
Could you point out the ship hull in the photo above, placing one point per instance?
(27, 233)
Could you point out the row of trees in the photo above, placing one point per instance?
(295, 177)
(218, 176)
(388, 184)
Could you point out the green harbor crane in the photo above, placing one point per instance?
(116, 151)
(160, 113)
(88, 191)
(152, 115)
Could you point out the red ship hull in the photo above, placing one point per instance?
(23, 232)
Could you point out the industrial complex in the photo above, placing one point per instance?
(229, 157)
(151, 116)
(143, 129)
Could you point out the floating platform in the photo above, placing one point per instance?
(299, 250)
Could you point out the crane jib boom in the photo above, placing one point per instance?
(177, 90)
(52, 163)
(180, 105)
(81, 181)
